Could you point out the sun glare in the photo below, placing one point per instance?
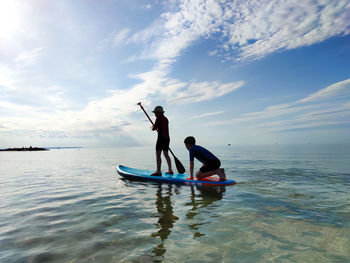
(9, 19)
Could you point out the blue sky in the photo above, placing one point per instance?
(238, 72)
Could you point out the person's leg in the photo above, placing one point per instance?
(159, 161)
(222, 174)
(211, 169)
(201, 175)
(168, 160)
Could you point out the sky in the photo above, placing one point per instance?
(225, 72)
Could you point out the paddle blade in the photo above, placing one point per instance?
(180, 168)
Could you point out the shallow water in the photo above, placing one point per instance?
(291, 204)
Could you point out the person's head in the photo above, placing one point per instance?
(189, 142)
(158, 110)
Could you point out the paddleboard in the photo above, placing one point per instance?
(181, 179)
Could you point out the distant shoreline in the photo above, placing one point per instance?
(24, 149)
(33, 149)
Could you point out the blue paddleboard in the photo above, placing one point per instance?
(145, 175)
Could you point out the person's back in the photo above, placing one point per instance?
(202, 154)
(162, 125)
(211, 164)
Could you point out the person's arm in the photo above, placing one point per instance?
(155, 125)
(191, 169)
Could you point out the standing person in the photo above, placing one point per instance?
(211, 164)
(161, 125)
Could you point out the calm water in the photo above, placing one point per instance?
(291, 204)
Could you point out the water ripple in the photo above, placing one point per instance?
(70, 206)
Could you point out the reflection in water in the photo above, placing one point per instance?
(206, 197)
(166, 219)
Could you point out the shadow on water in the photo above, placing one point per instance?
(199, 199)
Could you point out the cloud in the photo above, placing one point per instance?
(248, 30)
(340, 88)
(28, 57)
(207, 114)
(105, 117)
(115, 40)
(121, 37)
(259, 28)
(327, 107)
(19, 88)
(202, 91)
(310, 120)
(168, 36)
(96, 119)
(175, 91)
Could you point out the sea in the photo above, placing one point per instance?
(291, 203)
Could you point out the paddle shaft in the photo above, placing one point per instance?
(145, 112)
(178, 164)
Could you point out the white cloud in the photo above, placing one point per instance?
(100, 116)
(339, 88)
(263, 27)
(7, 76)
(254, 29)
(326, 107)
(317, 119)
(207, 114)
(28, 57)
(33, 91)
(115, 39)
(120, 37)
(175, 31)
(175, 91)
(202, 91)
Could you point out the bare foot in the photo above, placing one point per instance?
(222, 174)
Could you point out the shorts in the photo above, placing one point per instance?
(162, 144)
(210, 166)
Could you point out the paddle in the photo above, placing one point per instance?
(180, 168)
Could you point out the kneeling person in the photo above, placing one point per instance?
(211, 164)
